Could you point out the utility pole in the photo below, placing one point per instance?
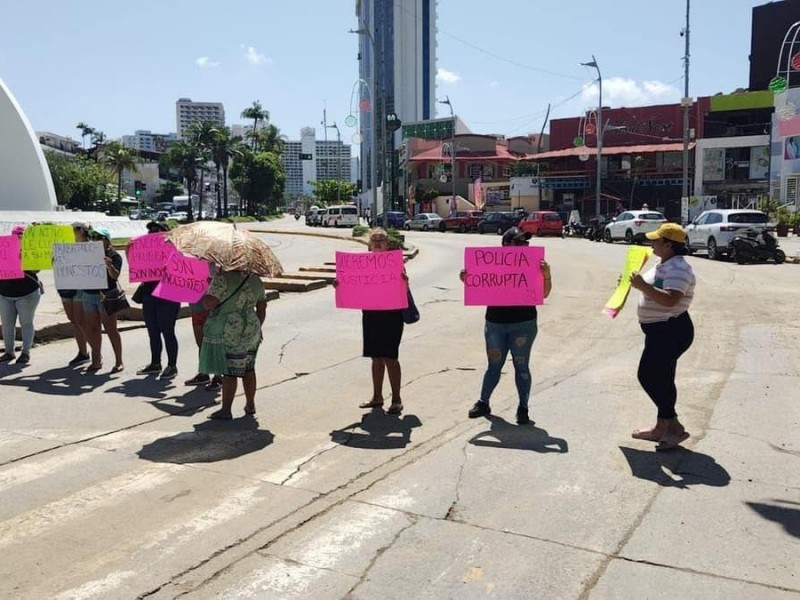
(687, 103)
(599, 123)
(453, 204)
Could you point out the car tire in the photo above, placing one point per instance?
(407, 227)
(779, 256)
(629, 237)
(539, 233)
(462, 228)
(713, 253)
(607, 237)
(425, 228)
(442, 227)
(500, 230)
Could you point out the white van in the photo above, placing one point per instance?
(345, 215)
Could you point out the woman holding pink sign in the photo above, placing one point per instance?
(510, 329)
(19, 299)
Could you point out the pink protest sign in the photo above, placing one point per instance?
(147, 256)
(185, 279)
(503, 276)
(370, 280)
(10, 258)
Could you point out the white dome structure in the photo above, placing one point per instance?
(25, 183)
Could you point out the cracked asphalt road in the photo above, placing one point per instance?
(119, 487)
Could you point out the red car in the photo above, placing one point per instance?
(462, 221)
(542, 222)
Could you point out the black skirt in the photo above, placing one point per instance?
(382, 332)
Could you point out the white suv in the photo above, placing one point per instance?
(632, 225)
(713, 230)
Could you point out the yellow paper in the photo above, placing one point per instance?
(634, 261)
(37, 245)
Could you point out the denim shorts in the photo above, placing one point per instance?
(91, 302)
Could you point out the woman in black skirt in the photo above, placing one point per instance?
(382, 332)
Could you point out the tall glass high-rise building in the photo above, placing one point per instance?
(404, 60)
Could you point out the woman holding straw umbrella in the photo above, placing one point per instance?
(236, 301)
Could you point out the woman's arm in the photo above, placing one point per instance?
(548, 283)
(668, 298)
(261, 310)
(113, 270)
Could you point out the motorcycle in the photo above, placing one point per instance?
(574, 229)
(296, 216)
(752, 247)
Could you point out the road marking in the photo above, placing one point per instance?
(38, 468)
(100, 587)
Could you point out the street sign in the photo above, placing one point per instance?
(306, 156)
(392, 122)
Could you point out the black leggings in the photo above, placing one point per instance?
(664, 342)
(159, 317)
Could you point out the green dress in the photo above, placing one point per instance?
(232, 333)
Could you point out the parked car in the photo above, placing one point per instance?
(466, 220)
(542, 222)
(395, 219)
(714, 230)
(423, 222)
(499, 222)
(632, 225)
(180, 217)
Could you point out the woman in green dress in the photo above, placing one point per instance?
(232, 335)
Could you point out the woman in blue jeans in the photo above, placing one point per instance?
(510, 329)
(19, 299)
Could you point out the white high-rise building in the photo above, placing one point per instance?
(188, 112)
(310, 159)
(148, 141)
(404, 79)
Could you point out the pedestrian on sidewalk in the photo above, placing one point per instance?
(160, 316)
(72, 302)
(510, 329)
(232, 335)
(96, 318)
(667, 292)
(18, 300)
(382, 331)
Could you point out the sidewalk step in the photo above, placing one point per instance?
(294, 285)
(309, 275)
(318, 269)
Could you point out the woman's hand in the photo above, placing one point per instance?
(545, 267)
(462, 275)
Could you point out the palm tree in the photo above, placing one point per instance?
(269, 139)
(257, 113)
(224, 148)
(119, 159)
(85, 131)
(203, 134)
(185, 158)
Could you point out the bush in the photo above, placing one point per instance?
(360, 230)
(238, 219)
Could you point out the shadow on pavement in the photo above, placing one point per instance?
(210, 441)
(379, 431)
(502, 434)
(789, 518)
(679, 468)
(63, 381)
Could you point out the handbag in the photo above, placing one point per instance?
(138, 294)
(114, 301)
(410, 314)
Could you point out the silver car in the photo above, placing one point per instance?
(423, 222)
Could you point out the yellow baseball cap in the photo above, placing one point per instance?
(668, 231)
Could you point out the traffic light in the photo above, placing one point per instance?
(137, 188)
(358, 186)
(306, 156)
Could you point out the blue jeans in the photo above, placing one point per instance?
(159, 317)
(502, 338)
(24, 308)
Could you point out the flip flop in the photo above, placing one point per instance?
(647, 435)
(371, 404)
(250, 412)
(220, 416)
(93, 368)
(395, 409)
(672, 441)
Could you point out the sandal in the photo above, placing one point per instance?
(670, 441)
(249, 411)
(118, 368)
(371, 404)
(646, 434)
(395, 409)
(220, 415)
(93, 368)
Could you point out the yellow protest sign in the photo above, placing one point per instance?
(634, 261)
(37, 245)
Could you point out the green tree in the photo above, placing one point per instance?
(257, 113)
(118, 158)
(185, 159)
(86, 131)
(224, 148)
(268, 139)
(80, 183)
(333, 191)
(203, 135)
(168, 190)
(259, 179)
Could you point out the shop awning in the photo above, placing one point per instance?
(609, 150)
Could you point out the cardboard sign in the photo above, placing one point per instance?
(10, 260)
(503, 276)
(370, 280)
(185, 279)
(37, 245)
(147, 257)
(80, 266)
(634, 261)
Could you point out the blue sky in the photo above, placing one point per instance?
(120, 66)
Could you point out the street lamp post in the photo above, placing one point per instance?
(599, 124)
(375, 125)
(338, 160)
(453, 205)
(686, 103)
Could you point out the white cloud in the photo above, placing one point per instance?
(445, 76)
(254, 57)
(204, 62)
(619, 92)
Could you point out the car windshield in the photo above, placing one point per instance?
(750, 217)
(651, 216)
